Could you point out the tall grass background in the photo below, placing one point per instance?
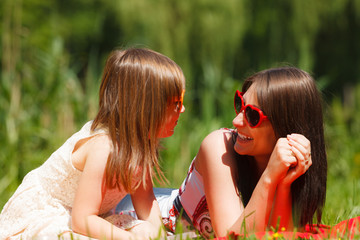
(52, 57)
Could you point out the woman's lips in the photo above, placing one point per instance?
(243, 138)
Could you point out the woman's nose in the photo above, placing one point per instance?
(238, 121)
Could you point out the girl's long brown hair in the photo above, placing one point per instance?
(136, 88)
(290, 99)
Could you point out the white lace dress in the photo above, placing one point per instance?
(41, 206)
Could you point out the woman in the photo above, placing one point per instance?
(269, 171)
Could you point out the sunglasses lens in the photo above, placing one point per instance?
(253, 116)
(238, 103)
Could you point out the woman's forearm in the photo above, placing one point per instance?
(281, 215)
(256, 213)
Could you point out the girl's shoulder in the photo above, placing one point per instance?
(98, 142)
(99, 145)
(101, 139)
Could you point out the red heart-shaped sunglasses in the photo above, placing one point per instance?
(253, 115)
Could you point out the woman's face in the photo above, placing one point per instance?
(173, 111)
(258, 142)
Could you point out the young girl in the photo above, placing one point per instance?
(259, 173)
(141, 98)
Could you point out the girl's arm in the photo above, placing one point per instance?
(89, 195)
(147, 208)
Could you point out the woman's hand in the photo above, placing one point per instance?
(301, 148)
(290, 159)
(281, 160)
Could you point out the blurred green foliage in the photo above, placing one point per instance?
(53, 52)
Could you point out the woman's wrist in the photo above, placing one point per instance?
(283, 188)
(283, 185)
(268, 182)
(269, 179)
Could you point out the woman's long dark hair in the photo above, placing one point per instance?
(290, 99)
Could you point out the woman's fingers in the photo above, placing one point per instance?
(291, 158)
(301, 147)
(303, 163)
(282, 157)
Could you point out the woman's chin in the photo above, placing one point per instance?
(240, 149)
